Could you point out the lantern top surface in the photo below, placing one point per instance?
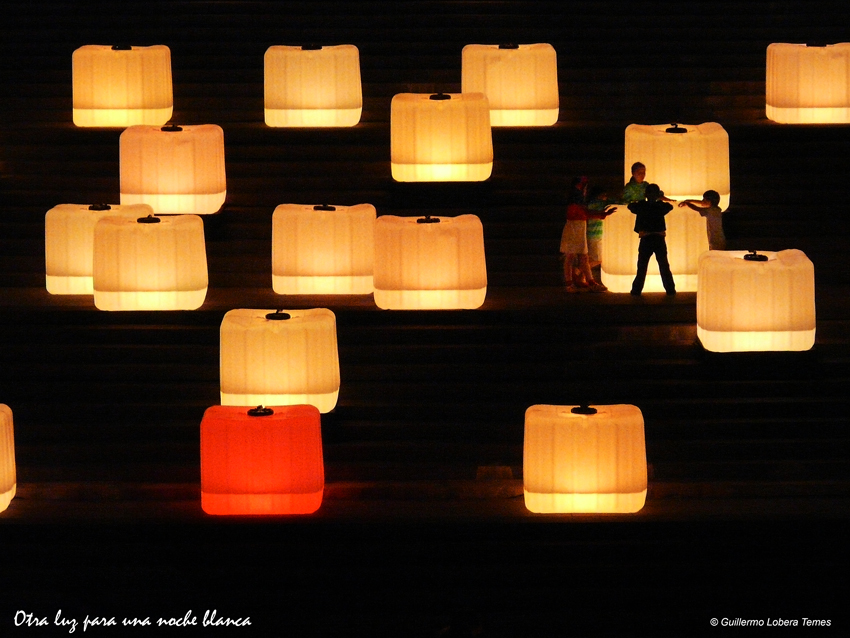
(311, 50)
(566, 414)
(135, 210)
(177, 132)
(332, 208)
(509, 50)
(175, 222)
(705, 129)
(782, 259)
(280, 413)
(444, 223)
(110, 49)
(423, 100)
(795, 47)
(253, 318)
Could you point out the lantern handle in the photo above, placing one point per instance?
(584, 408)
(675, 128)
(311, 47)
(754, 256)
(171, 128)
(509, 45)
(324, 207)
(260, 411)
(278, 315)
(150, 219)
(122, 47)
(428, 220)
(100, 207)
(440, 96)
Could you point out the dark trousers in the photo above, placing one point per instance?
(653, 245)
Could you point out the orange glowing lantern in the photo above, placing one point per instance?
(323, 249)
(686, 241)
(174, 169)
(685, 160)
(280, 358)
(313, 86)
(122, 85)
(429, 263)
(441, 137)
(579, 459)
(8, 475)
(261, 461)
(153, 263)
(69, 243)
(808, 84)
(751, 301)
(519, 80)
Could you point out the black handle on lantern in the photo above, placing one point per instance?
(260, 411)
(171, 128)
(675, 128)
(428, 220)
(121, 47)
(440, 96)
(311, 47)
(509, 46)
(327, 207)
(150, 219)
(584, 408)
(100, 207)
(278, 315)
(754, 256)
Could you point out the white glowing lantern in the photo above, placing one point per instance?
(686, 241)
(756, 301)
(520, 82)
(584, 460)
(69, 243)
(685, 160)
(323, 249)
(440, 138)
(154, 263)
(8, 475)
(174, 169)
(122, 85)
(279, 358)
(313, 86)
(429, 263)
(808, 84)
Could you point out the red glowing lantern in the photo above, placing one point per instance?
(261, 461)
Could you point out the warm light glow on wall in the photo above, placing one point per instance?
(686, 241)
(429, 263)
(745, 305)
(313, 86)
(684, 164)
(808, 84)
(122, 86)
(441, 137)
(8, 475)
(520, 82)
(69, 243)
(150, 266)
(176, 170)
(284, 358)
(584, 463)
(265, 464)
(323, 249)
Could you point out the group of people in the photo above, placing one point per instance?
(582, 235)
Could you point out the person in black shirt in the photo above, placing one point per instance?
(651, 228)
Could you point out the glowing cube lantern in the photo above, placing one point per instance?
(808, 84)
(429, 263)
(519, 80)
(308, 86)
(756, 301)
(8, 476)
(122, 85)
(261, 461)
(323, 249)
(174, 169)
(580, 459)
(441, 137)
(279, 358)
(153, 263)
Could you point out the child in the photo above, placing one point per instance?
(635, 188)
(709, 208)
(650, 226)
(574, 239)
(597, 201)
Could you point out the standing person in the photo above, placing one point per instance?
(652, 230)
(597, 200)
(635, 188)
(709, 208)
(574, 240)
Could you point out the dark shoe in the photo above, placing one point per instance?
(670, 293)
(636, 293)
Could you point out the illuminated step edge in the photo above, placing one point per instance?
(555, 503)
(441, 172)
(150, 300)
(7, 496)
(430, 299)
(653, 283)
(324, 402)
(313, 117)
(122, 117)
(809, 115)
(198, 204)
(523, 117)
(57, 285)
(261, 504)
(774, 341)
(323, 285)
